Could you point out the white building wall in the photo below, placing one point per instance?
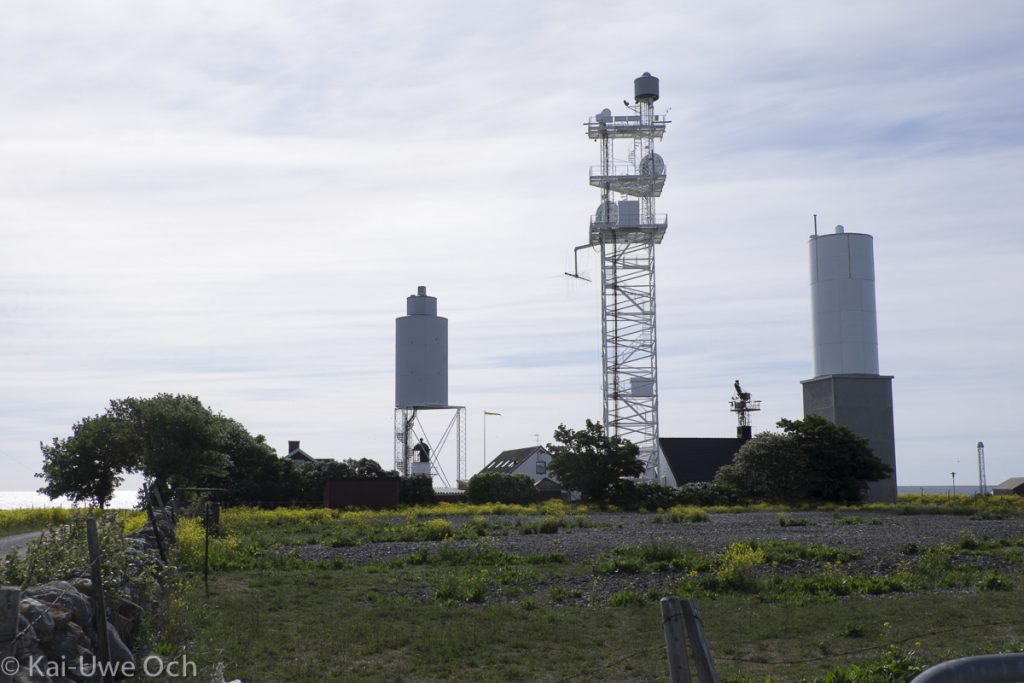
(529, 466)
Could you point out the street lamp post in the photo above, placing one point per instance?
(486, 413)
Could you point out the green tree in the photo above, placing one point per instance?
(840, 463)
(769, 467)
(255, 474)
(592, 463)
(88, 465)
(180, 440)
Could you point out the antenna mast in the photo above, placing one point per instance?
(626, 229)
(742, 405)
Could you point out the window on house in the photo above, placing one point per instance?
(542, 467)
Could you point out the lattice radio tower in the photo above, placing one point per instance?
(626, 228)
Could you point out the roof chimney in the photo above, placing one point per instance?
(293, 446)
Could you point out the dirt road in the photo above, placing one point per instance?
(19, 541)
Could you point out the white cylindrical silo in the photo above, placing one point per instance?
(843, 304)
(421, 354)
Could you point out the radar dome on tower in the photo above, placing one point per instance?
(645, 88)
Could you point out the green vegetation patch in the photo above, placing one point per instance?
(354, 613)
(652, 557)
(787, 552)
(450, 555)
(31, 519)
(785, 520)
(681, 514)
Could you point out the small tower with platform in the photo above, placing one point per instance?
(742, 404)
(421, 385)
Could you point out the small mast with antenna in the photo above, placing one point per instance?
(576, 263)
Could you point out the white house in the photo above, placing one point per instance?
(532, 461)
(301, 457)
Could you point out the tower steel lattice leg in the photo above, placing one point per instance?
(629, 350)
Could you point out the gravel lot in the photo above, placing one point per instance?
(879, 543)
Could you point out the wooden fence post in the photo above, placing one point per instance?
(698, 643)
(152, 523)
(10, 610)
(206, 549)
(101, 606)
(678, 666)
(215, 519)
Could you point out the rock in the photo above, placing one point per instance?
(119, 652)
(61, 615)
(66, 595)
(40, 618)
(84, 586)
(62, 648)
(127, 617)
(86, 657)
(25, 677)
(28, 642)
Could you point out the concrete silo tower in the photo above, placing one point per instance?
(421, 384)
(847, 388)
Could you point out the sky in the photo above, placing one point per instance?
(233, 200)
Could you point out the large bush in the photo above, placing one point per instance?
(417, 490)
(496, 487)
(769, 467)
(814, 459)
(707, 493)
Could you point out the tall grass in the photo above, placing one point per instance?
(31, 519)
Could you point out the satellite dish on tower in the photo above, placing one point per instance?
(607, 213)
(652, 166)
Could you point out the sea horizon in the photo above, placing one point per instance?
(11, 500)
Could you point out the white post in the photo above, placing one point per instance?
(486, 413)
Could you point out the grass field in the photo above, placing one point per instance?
(469, 611)
(30, 519)
(315, 625)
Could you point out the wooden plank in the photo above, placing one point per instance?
(152, 522)
(101, 607)
(698, 643)
(10, 610)
(675, 643)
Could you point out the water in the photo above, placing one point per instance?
(30, 499)
(945, 490)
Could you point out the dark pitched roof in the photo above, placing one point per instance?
(508, 461)
(1011, 484)
(548, 484)
(300, 455)
(698, 459)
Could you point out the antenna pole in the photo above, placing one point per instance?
(815, 247)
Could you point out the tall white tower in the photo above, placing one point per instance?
(626, 228)
(846, 388)
(421, 384)
(421, 354)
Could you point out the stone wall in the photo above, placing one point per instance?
(57, 638)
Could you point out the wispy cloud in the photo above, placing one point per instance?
(234, 200)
